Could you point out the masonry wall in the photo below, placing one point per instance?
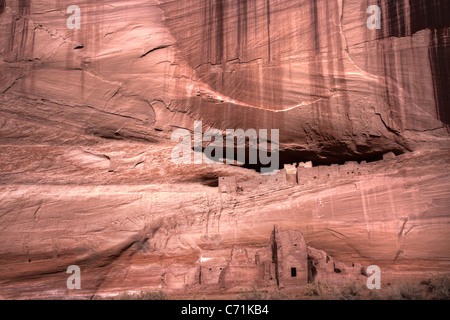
(308, 175)
(303, 174)
(286, 262)
(291, 258)
(210, 273)
(323, 268)
(227, 185)
(243, 269)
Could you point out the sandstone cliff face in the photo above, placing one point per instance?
(86, 117)
(335, 89)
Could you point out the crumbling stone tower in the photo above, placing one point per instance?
(289, 253)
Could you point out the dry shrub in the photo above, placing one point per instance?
(321, 290)
(438, 287)
(252, 294)
(353, 291)
(143, 295)
(406, 290)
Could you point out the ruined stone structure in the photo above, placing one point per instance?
(233, 185)
(210, 270)
(243, 270)
(290, 256)
(307, 175)
(323, 268)
(227, 185)
(287, 262)
(87, 118)
(303, 174)
(237, 267)
(291, 173)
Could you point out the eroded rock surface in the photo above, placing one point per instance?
(86, 117)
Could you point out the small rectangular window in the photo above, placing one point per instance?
(293, 272)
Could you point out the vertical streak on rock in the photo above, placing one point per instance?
(98, 18)
(395, 18)
(207, 28)
(12, 33)
(17, 51)
(365, 205)
(386, 78)
(439, 53)
(32, 74)
(268, 28)
(332, 82)
(380, 32)
(401, 21)
(24, 11)
(431, 14)
(315, 65)
(219, 17)
(242, 28)
(393, 15)
(238, 47)
(344, 100)
(220, 54)
(435, 15)
(2, 6)
(315, 19)
(24, 7)
(241, 51)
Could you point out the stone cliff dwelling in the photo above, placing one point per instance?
(302, 174)
(286, 262)
(89, 113)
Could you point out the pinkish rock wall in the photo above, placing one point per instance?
(86, 117)
(335, 89)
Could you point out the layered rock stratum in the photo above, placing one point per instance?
(86, 118)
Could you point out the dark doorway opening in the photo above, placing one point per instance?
(293, 272)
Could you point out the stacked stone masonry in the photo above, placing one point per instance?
(303, 174)
(287, 262)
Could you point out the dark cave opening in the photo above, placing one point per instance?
(328, 157)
